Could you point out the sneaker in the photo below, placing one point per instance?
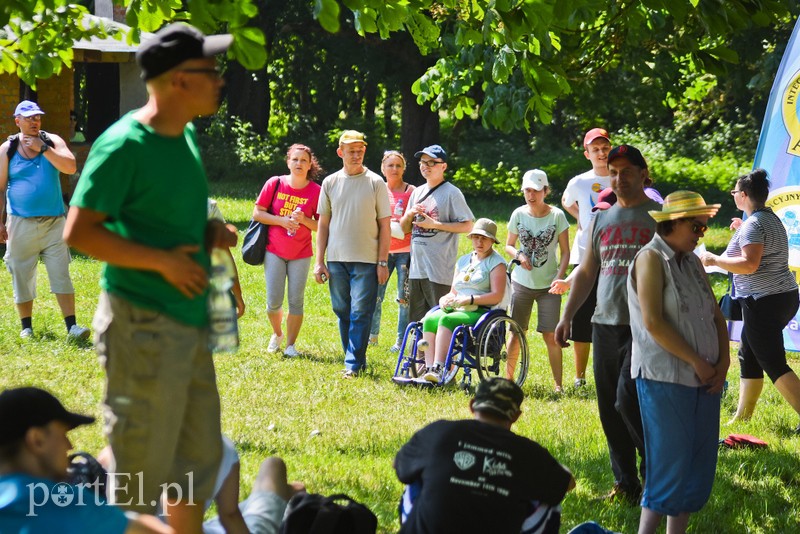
(373, 341)
(291, 352)
(26, 333)
(395, 348)
(77, 332)
(274, 343)
(580, 382)
(434, 374)
(624, 494)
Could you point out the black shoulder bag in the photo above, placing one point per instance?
(254, 244)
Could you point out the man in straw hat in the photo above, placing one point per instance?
(680, 359)
(476, 475)
(616, 235)
(141, 207)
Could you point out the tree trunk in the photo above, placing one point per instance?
(248, 95)
(419, 128)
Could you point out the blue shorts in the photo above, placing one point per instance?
(681, 438)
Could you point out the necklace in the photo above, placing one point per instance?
(471, 269)
(26, 155)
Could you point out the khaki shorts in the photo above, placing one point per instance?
(28, 239)
(548, 307)
(162, 413)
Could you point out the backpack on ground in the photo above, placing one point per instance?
(311, 513)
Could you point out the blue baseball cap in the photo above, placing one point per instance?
(434, 151)
(26, 108)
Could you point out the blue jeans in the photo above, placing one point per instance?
(354, 292)
(400, 261)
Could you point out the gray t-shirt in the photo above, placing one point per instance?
(434, 253)
(354, 203)
(619, 233)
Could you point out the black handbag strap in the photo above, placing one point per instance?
(274, 192)
(430, 192)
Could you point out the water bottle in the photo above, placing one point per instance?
(223, 335)
(398, 209)
(290, 232)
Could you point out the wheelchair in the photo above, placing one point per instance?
(482, 348)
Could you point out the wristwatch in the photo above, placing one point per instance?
(45, 148)
(383, 264)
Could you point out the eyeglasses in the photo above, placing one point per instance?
(430, 163)
(32, 118)
(213, 72)
(699, 228)
(734, 191)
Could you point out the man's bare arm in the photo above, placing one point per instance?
(60, 155)
(3, 188)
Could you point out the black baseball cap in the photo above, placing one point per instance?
(631, 153)
(28, 407)
(500, 396)
(172, 45)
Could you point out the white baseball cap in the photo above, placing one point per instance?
(534, 179)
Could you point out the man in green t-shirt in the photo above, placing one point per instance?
(141, 207)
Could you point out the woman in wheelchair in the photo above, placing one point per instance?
(478, 284)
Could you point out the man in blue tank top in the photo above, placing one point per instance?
(36, 216)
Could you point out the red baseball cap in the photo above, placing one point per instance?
(595, 133)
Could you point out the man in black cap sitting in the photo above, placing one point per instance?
(478, 476)
(141, 207)
(34, 497)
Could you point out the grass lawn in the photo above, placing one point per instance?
(341, 436)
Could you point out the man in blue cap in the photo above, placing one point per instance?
(437, 213)
(30, 163)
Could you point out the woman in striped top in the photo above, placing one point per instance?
(758, 257)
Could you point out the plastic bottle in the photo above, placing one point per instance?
(293, 216)
(223, 335)
(399, 209)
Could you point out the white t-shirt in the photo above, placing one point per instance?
(583, 189)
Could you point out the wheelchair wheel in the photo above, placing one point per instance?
(491, 355)
(407, 358)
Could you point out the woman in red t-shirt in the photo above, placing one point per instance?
(288, 204)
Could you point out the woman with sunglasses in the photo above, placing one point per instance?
(758, 257)
(679, 360)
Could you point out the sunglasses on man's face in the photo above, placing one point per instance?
(699, 228)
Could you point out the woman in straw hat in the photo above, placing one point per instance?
(758, 257)
(479, 283)
(680, 358)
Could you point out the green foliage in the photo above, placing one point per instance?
(228, 143)
(39, 45)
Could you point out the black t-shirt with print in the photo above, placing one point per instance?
(476, 477)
